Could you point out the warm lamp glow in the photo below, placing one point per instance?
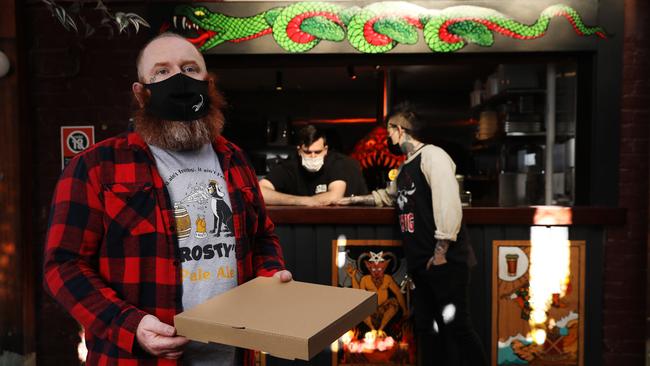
(553, 215)
(549, 270)
(539, 336)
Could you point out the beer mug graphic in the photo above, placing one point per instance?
(511, 262)
(201, 231)
(183, 222)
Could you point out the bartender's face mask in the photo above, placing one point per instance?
(395, 134)
(313, 156)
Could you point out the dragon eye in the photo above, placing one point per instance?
(199, 13)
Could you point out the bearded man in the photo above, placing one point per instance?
(119, 254)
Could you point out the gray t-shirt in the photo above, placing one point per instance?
(205, 233)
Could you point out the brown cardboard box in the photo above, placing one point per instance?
(289, 320)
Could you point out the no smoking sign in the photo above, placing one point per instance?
(74, 140)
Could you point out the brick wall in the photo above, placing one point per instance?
(626, 249)
(73, 81)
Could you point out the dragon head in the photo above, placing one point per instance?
(195, 23)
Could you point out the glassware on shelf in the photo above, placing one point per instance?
(466, 198)
(521, 180)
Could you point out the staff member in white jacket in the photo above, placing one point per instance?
(437, 248)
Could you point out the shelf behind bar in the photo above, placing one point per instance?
(581, 215)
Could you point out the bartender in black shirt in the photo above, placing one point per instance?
(314, 176)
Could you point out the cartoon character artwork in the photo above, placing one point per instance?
(385, 337)
(521, 296)
(374, 28)
(200, 200)
(514, 342)
(381, 283)
(196, 196)
(220, 210)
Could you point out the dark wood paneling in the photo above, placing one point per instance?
(471, 215)
(315, 265)
(594, 237)
(17, 260)
(8, 19)
(305, 245)
(490, 234)
(331, 215)
(324, 235)
(479, 284)
(288, 247)
(11, 291)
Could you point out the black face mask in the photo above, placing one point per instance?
(179, 98)
(393, 148)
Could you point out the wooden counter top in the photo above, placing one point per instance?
(579, 215)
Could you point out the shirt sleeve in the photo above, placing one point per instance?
(349, 170)
(385, 196)
(359, 183)
(280, 177)
(440, 172)
(71, 275)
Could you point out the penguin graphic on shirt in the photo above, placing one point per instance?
(220, 210)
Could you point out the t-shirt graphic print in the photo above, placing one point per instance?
(204, 223)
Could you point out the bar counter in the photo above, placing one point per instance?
(472, 215)
(308, 234)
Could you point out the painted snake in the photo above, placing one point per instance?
(376, 28)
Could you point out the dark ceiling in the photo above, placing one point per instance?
(422, 78)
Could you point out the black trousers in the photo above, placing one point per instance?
(442, 320)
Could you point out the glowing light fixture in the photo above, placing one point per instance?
(279, 85)
(341, 242)
(4, 64)
(82, 351)
(549, 266)
(351, 73)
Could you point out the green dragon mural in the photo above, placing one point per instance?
(376, 28)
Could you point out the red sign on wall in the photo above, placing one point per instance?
(75, 139)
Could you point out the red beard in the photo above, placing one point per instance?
(181, 135)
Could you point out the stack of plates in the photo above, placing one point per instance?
(564, 128)
(522, 127)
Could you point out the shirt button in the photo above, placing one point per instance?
(172, 228)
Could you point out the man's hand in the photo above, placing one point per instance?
(324, 199)
(440, 254)
(284, 275)
(345, 201)
(159, 339)
(309, 201)
(321, 199)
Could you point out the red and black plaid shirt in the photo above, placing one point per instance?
(111, 255)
